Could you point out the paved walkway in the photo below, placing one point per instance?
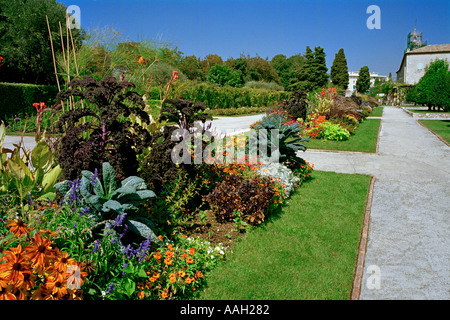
(408, 239)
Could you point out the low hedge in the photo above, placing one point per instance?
(16, 98)
(215, 96)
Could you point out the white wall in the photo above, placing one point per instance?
(413, 72)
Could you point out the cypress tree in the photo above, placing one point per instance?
(319, 74)
(339, 70)
(363, 82)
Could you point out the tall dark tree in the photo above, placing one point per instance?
(319, 75)
(303, 78)
(339, 70)
(312, 74)
(25, 42)
(363, 82)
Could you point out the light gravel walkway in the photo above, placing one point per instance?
(408, 240)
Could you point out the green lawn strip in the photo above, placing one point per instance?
(308, 251)
(428, 111)
(364, 139)
(440, 127)
(377, 112)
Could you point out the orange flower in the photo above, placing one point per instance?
(173, 279)
(5, 294)
(181, 273)
(41, 293)
(157, 256)
(189, 260)
(63, 262)
(164, 294)
(168, 261)
(141, 60)
(191, 251)
(160, 237)
(169, 254)
(141, 295)
(152, 279)
(18, 228)
(41, 251)
(174, 75)
(56, 284)
(199, 274)
(15, 267)
(169, 246)
(188, 280)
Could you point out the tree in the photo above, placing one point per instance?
(363, 82)
(319, 76)
(191, 67)
(312, 73)
(24, 39)
(302, 79)
(210, 61)
(433, 88)
(224, 75)
(339, 70)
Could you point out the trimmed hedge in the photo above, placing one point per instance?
(215, 96)
(18, 98)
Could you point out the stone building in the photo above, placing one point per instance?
(413, 64)
(353, 76)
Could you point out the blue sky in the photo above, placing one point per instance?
(269, 27)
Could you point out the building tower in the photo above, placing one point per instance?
(414, 41)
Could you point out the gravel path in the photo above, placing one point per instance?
(408, 240)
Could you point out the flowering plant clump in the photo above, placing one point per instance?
(282, 174)
(35, 269)
(176, 271)
(304, 172)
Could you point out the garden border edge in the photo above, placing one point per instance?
(359, 269)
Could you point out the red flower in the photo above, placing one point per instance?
(1, 61)
(174, 75)
(40, 106)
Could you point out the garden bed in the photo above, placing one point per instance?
(363, 140)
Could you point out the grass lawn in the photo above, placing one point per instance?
(307, 252)
(440, 127)
(364, 139)
(377, 112)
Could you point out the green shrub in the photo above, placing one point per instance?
(333, 131)
(224, 75)
(264, 85)
(433, 88)
(18, 98)
(215, 96)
